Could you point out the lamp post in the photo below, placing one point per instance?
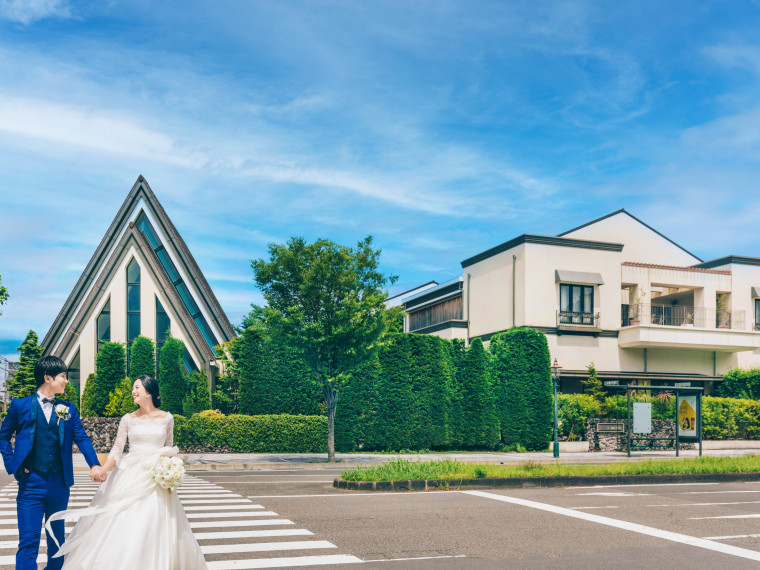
(555, 380)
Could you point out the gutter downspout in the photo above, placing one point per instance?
(468, 309)
(514, 268)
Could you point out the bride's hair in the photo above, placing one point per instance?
(151, 387)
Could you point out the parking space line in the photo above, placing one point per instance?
(624, 525)
(726, 517)
(732, 537)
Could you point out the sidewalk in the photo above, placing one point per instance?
(271, 461)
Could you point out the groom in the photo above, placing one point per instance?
(45, 428)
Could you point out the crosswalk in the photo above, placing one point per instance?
(233, 532)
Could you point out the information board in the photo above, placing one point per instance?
(642, 417)
(687, 415)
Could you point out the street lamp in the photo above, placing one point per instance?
(555, 380)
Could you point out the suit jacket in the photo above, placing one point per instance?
(21, 421)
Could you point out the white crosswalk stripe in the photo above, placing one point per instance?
(233, 532)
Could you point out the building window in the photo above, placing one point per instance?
(73, 373)
(133, 305)
(145, 227)
(103, 325)
(576, 304)
(162, 330)
(757, 314)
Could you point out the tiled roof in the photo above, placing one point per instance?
(676, 268)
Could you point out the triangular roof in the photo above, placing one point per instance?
(121, 235)
(580, 233)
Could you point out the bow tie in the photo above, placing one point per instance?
(48, 400)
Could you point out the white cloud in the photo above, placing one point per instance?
(29, 11)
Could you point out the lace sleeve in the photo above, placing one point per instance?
(169, 430)
(121, 439)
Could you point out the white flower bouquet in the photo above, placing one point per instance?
(168, 472)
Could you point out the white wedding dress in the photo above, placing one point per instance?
(131, 521)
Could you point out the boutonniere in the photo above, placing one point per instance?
(62, 412)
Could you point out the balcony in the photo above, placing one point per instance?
(680, 326)
(577, 322)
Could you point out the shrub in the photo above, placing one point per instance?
(592, 385)
(172, 386)
(572, 412)
(481, 429)
(730, 418)
(739, 383)
(142, 358)
(253, 434)
(110, 371)
(525, 362)
(88, 394)
(510, 399)
(120, 401)
(70, 394)
(197, 398)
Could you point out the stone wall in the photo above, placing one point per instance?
(601, 441)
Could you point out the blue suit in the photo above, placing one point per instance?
(45, 489)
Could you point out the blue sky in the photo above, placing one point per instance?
(441, 128)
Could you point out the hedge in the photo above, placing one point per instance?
(252, 434)
(722, 418)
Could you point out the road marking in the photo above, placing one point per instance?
(605, 507)
(616, 494)
(226, 515)
(726, 517)
(624, 525)
(214, 507)
(266, 546)
(706, 504)
(646, 485)
(227, 524)
(380, 494)
(731, 537)
(713, 492)
(418, 558)
(285, 562)
(214, 501)
(252, 533)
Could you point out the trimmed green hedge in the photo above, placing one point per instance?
(252, 434)
(730, 418)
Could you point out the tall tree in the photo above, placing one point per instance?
(142, 358)
(197, 398)
(110, 369)
(171, 383)
(481, 424)
(120, 401)
(326, 301)
(3, 293)
(22, 383)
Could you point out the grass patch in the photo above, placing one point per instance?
(403, 469)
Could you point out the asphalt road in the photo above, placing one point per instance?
(296, 518)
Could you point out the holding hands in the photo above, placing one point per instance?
(97, 473)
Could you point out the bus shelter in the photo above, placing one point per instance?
(687, 417)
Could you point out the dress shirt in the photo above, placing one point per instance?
(47, 407)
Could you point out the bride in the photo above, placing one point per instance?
(132, 522)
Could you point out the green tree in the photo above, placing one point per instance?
(70, 394)
(227, 388)
(326, 301)
(142, 358)
(197, 398)
(592, 385)
(172, 383)
(481, 428)
(22, 383)
(120, 401)
(3, 293)
(110, 370)
(88, 396)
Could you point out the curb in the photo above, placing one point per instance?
(528, 482)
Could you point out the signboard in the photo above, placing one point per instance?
(612, 382)
(687, 416)
(682, 384)
(642, 417)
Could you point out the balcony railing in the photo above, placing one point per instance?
(681, 316)
(571, 318)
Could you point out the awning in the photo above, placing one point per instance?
(564, 276)
(755, 292)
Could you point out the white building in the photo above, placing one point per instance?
(141, 280)
(613, 292)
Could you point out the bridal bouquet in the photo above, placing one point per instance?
(168, 472)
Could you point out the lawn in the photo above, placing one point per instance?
(403, 469)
